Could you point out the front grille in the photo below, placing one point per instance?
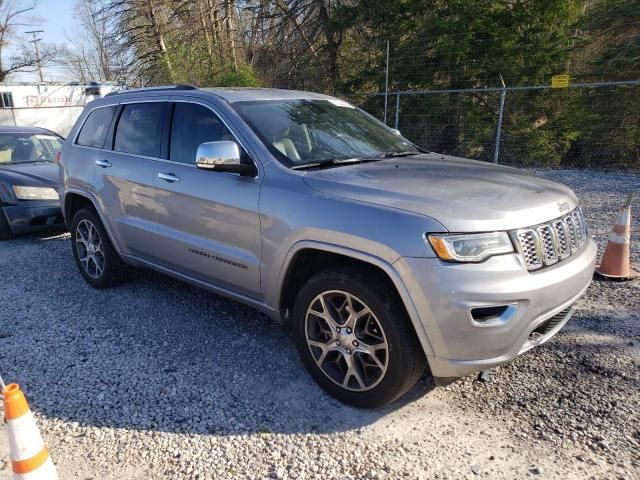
(548, 243)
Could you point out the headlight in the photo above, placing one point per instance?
(470, 248)
(34, 193)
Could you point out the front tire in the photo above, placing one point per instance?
(355, 339)
(93, 252)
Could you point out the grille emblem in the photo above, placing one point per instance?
(564, 206)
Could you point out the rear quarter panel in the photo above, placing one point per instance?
(76, 161)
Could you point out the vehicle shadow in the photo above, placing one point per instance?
(157, 354)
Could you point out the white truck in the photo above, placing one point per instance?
(48, 105)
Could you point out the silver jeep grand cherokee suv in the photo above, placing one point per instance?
(386, 260)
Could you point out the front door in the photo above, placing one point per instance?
(208, 222)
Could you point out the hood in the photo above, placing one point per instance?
(463, 195)
(31, 174)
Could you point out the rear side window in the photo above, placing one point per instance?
(139, 129)
(95, 128)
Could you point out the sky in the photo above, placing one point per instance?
(57, 23)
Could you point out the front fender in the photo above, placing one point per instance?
(278, 284)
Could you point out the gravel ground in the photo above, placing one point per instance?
(157, 379)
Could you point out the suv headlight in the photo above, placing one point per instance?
(34, 193)
(470, 248)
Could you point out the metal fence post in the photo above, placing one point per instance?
(503, 94)
(386, 85)
(397, 109)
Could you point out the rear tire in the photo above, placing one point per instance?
(93, 252)
(5, 230)
(342, 320)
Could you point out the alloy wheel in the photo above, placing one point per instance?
(346, 340)
(89, 248)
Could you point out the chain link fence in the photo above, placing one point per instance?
(584, 126)
(593, 125)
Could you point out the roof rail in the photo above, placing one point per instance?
(154, 89)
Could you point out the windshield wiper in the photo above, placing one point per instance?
(398, 154)
(350, 161)
(334, 162)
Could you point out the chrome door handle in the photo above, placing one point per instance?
(103, 163)
(169, 177)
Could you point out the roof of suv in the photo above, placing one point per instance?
(247, 94)
(231, 95)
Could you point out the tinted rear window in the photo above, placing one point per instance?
(95, 128)
(139, 128)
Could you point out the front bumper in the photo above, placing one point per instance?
(28, 215)
(444, 294)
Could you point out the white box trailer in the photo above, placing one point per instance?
(48, 105)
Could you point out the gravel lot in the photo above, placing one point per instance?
(157, 379)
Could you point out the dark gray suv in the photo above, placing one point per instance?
(385, 259)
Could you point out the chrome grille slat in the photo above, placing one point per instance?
(573, 236)
(529, 243)
(563, 247)
(548, 243)
(577, 218)
(549, 248)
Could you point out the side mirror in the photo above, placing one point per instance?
(223, 156)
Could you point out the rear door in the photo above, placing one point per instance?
(208, 222)
(123, 175)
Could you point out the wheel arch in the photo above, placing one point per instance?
(306, 258)
(74, 201)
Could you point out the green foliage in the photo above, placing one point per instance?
(339, 47)
(244, 76)
(462, 44)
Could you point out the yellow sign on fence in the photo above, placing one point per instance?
(560, 81)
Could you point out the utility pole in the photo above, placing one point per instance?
(35, 44)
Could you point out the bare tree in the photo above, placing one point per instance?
(209, 41)
(13, 18)
(139, 36)
(92, 56)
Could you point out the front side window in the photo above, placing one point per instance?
(139, 128)
(95, 128)
(300, 132)
(193, 124)
(28, 147)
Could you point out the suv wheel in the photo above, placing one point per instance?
(355, 339)
(97, 260)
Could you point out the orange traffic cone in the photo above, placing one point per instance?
(29, 456)
(615, 261)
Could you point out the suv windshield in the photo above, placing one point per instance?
(305, 132)
(29, 147)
